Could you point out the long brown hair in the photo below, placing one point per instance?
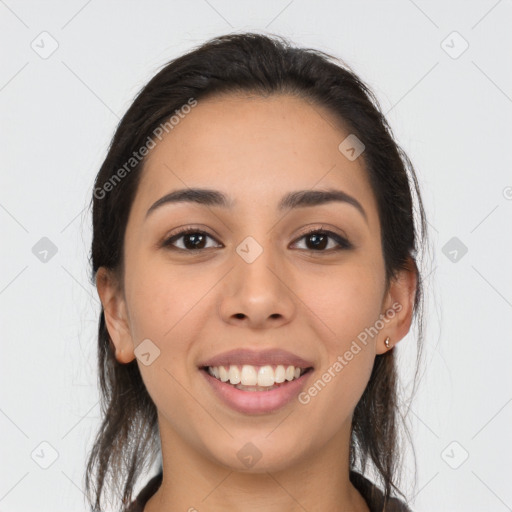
(127, 442)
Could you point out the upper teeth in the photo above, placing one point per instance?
(255, 375)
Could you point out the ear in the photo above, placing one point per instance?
(116, 317)
(398, 307)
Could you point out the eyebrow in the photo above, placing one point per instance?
(292, 200)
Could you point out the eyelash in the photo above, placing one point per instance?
(343, 243)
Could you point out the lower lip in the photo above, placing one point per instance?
(257, 402)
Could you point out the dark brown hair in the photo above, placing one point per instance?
(127, 442)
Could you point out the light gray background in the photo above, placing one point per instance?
(452, 113)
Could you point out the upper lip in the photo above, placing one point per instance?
(243, 356)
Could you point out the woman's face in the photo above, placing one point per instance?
(256, 280)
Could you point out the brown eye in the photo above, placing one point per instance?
(193, 240)
(320, 240)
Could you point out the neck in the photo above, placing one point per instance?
(193, 482)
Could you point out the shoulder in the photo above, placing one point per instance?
(374, 497)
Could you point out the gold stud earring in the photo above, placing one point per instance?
(386, 342)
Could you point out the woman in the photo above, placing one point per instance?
(254, 249)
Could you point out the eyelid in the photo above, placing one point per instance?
(324, 228)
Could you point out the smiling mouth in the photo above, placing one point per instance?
(256, 377)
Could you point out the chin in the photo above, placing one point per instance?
(258, 456)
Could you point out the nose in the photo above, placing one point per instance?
(258, 294)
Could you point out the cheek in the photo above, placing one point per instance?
(346, 300)
(161, 298)
(170, 306)
(346, 307)
(165, 305)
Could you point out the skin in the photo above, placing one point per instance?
(194, 305)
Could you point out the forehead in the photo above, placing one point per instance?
(255, 149)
